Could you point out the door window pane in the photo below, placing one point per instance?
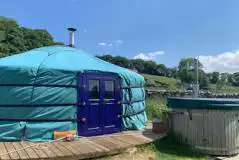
(94, 86)
(109, 90)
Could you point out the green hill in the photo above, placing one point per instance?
(160, 82)
(154, 83)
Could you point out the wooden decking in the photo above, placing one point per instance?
(82, 148)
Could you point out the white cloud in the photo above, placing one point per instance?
(224, 62)
(110, 43)
(118, 41)
(101, 44)
(148, 56)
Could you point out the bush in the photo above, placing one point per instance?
(154, 107)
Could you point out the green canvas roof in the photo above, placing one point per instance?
(65, 58)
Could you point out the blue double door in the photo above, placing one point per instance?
(99, 110)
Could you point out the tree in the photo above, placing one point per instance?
(107, 58)
(138, 64)
(230, 79)
(187, 76)
(173, 72)
(223, 78)
(118, 60)
(150, 67)
(162, 70)
(235, 79)
(189, 63)
(4, 50)
(15, 39)
(214, 77)
(187, 72)
(203, 79)
(36, 38)
(123, 62)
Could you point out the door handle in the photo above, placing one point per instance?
(105, 101)
(82, 120)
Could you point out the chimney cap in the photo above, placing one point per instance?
(71, 29)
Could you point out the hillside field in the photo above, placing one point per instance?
(154, 82)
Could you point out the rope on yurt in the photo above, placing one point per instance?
(38, 68)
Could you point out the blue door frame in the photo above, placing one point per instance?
(99, 111)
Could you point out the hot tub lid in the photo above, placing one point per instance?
(203, 103)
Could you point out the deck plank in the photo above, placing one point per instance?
(85, 147)
(100, 141)
(22, 153)
(139, 140)
(38, 151)
(129, 139)
(55, 150)
(46, 149)
(94, 147)
(84, 150)
(97, 145)
(65, 151)
(147, 139)
(90, 151)
(68, 146)
(82, 147)
(3, 150)
(30, 152)
(118, 142)
(9, 146)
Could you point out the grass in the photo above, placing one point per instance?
(168, 83)
(154, 107)
(224, 88)
(167, 149)
(154, 83)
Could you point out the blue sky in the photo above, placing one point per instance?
(161, 30)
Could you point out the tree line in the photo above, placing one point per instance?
(15, 39)
(185, 71)
(148, 67)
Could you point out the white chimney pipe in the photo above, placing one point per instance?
(71, 36)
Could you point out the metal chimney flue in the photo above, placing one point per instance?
(71, 36)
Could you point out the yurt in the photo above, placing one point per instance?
(60, 88)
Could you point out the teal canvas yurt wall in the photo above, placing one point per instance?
(48, 89)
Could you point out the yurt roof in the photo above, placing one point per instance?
(64, 58)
